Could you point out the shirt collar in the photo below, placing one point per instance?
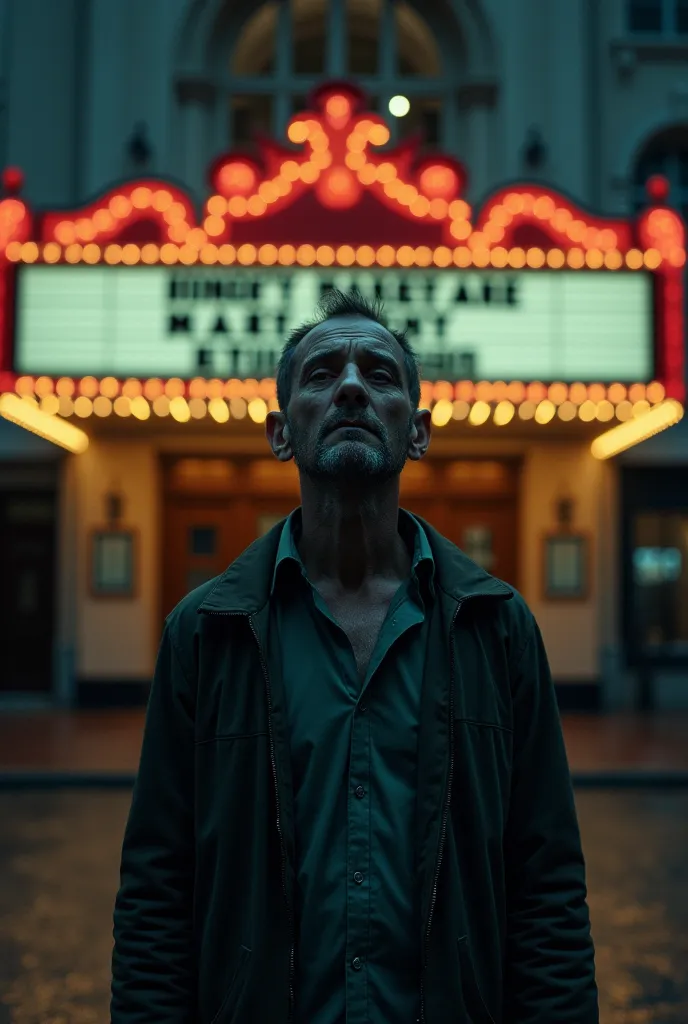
(422, 564)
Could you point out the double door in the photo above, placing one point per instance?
(205, 532)
(204, 536)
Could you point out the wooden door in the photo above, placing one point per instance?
(486, 531)
(205, 535)
(474, 504)
(215, 508)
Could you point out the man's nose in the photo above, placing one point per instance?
(351, 387)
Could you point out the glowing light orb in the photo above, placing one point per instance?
(399, 106)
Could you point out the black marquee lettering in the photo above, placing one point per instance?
(461, 295)
(220, 327)
(178, 324)
(234, 355)
(511, 296)
(487, 292)
(204, 358)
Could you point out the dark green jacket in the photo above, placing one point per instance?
(203, 922)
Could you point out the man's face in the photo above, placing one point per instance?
(350, 417)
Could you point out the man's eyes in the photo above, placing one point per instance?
(322, 374)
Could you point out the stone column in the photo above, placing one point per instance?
(196, 100)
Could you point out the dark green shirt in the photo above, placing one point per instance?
(353, 755)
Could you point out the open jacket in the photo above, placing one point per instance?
(204, 925)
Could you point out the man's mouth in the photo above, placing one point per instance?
(351, 425)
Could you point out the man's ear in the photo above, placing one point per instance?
(421, 432)
(278, 435)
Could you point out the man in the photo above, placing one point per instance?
(353, 803)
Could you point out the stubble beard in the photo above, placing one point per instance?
(349, 462)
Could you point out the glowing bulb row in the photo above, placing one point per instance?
(178, 407)
(119, 209)
(592, 245)
(443, 411)
(515, 392)
(175, 387)
(326, 255)
(480, 412)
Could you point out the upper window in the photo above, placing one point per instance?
(288, 47)
(667, 154)
(668, 17)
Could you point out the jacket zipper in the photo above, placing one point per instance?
(283, 849)
(445, 813)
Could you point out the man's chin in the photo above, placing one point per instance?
(353, 463)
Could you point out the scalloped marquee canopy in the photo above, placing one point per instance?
(336, 197)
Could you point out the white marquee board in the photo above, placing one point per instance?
(232, 321)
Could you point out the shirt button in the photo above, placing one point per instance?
(358, 877)
(357, 963)
(359, 791)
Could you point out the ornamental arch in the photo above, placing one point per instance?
(245, 69)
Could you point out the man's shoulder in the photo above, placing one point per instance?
(182, 621)
(517, 620)
(242, 588)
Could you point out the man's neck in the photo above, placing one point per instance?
(350, 541)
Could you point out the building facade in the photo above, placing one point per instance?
(583, 102)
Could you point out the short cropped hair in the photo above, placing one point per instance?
(336, 303)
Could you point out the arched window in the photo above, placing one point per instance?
(667, 154)
(668, 17)
(286, 47)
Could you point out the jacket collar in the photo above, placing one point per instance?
(244, 587)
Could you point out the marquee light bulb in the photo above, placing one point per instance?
(399, 106)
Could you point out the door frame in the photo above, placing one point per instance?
(23, 479)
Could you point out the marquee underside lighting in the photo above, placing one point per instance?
(627, 435)
(50, 427)
(496, 403)
(248, 255)
(337, 193)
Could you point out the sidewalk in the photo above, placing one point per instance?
(101, 748)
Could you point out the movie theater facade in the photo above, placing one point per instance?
(141, 336)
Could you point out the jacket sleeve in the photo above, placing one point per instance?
(549, 968)
(153, 975)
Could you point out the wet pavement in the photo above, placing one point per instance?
(59, 861)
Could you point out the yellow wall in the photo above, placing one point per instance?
(573, 630)
(117, 639)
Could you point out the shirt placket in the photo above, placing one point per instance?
(358, 869)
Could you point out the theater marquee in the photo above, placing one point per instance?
(231, 322)
(525, 312)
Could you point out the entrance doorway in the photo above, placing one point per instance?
(473, 503)
(215, 508)
(27, 594)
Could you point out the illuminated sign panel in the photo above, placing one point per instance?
(231, 322)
